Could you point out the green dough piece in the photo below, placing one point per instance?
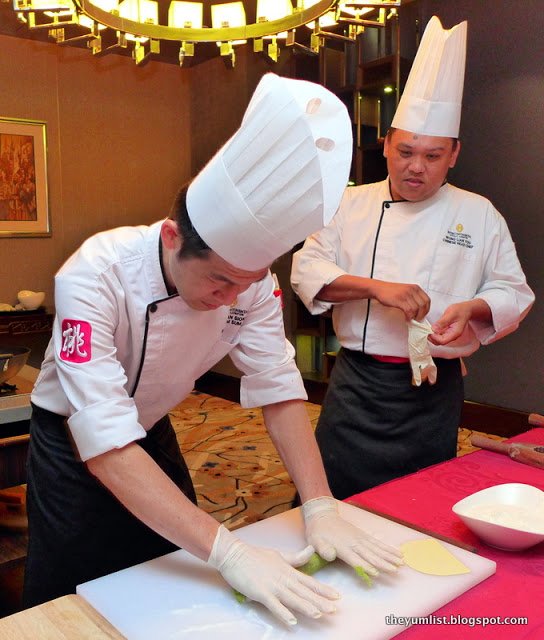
(239, 596)
(314, 564)
(363, 575)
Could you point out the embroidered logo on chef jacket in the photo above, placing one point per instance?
(76, 341)
(235, 320)
(236, 316)
(458, 237)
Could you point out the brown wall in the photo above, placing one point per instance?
(121, 140)
(119, 145)
(219, 97)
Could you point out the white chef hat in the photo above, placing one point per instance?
(279, 178)
(431, 100)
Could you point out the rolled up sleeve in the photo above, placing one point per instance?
(115, 424)
(101, 414)
(315, 265)
(274, 385)
(504, 287)
(265, 357)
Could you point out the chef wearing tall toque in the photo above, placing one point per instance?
(419, 274)
(141, 313)
(279, 178)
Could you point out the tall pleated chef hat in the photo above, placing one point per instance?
(279, 178)
(431, 101)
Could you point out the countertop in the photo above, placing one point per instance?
(66, 618)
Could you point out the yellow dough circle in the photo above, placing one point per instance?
(429, 556)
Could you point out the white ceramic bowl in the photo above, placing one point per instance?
(30, 299)
(507, 516)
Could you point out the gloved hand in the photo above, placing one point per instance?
(268, 576)
(332, 536)
(423, 366)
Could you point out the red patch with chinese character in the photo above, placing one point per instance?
(76, 341)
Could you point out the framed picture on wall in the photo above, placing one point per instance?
(23, 179)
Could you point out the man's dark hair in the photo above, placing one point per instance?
(454, 141)
(193, 246)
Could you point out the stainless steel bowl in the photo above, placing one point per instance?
(12, 360)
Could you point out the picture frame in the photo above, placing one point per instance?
(24, 206)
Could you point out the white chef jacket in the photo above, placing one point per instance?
(455, 245)
(124, 352)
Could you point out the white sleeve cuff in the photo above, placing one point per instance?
(506, 313)
(308, 286)
(275, 385)
(104, 426)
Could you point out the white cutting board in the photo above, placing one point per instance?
(180, 597)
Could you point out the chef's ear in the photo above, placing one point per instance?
(170, 236)
(386, 145)
(455, 153)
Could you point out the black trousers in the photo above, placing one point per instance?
(376, 426)
(78, 530)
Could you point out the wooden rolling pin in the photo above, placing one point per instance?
(531, 454)
(536, 420)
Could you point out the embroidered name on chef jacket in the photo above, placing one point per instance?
(76, 341)
(458, 237)
(236, 316)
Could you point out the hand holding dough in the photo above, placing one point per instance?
(423, 366)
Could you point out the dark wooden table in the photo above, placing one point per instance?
(13, 546)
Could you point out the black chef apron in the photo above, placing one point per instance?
(78, 530)
(375, 425)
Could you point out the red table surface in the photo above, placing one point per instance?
(425, 498)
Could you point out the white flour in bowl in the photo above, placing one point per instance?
(509, 515)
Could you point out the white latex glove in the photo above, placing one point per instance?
(423, 366)
(332, 536)
(268, 576)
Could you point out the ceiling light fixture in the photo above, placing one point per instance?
(135, 23)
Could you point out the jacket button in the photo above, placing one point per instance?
(152, 308)
(387, 205)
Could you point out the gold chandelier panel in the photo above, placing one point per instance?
(136, 23)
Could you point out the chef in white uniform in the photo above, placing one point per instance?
(141, 312)
(404, 258)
